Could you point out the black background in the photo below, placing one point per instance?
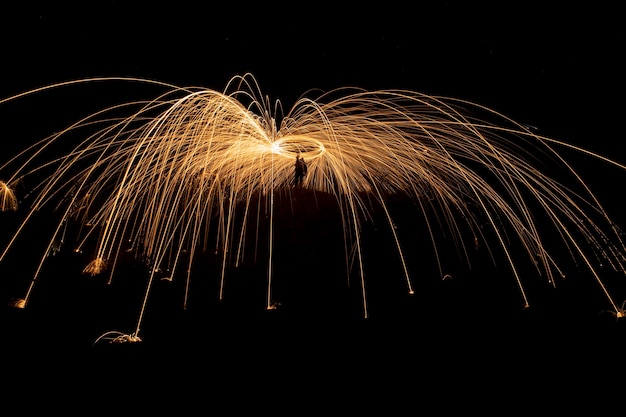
(555, 66)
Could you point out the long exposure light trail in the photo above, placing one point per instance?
(166, 178)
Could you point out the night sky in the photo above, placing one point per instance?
(556, 67)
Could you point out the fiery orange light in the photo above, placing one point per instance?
(151, 181)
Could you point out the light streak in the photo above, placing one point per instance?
(170, 176)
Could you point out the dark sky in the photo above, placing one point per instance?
(555, 65)
(549, 64)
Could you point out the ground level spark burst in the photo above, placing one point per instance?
(170, 178)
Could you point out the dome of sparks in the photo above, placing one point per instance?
(194, 169)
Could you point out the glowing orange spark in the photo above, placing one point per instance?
(158, 176)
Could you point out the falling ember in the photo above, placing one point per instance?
(8, 201)
(17, 303)
(95, 267)
(117, 338)
(169, 178)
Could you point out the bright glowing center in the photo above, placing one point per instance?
(291, 146)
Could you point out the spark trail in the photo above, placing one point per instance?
(169, 177)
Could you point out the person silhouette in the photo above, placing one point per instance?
(300, 170)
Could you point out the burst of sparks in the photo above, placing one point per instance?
(159, 175)
(8, 201)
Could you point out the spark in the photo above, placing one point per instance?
(172, 175)
(8, 201)
(115, 336)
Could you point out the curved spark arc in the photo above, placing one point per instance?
(177, 171)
